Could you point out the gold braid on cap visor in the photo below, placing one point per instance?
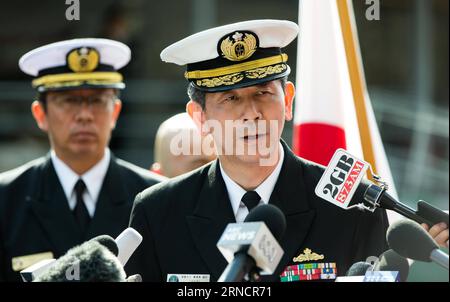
(76, 79)
(230, 75)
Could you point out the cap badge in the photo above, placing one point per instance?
(308, 256)
(83, 59)
(238, 46)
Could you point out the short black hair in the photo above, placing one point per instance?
(42, 98)
(199, 96)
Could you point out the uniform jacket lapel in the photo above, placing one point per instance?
(214, 212)
(51, 208)
(211, 216)
(291, 196)
(111, 204)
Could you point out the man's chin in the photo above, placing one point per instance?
(85, 149)
(258, 159)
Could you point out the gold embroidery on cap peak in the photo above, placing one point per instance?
(246, 66)
(239, 46)
(263, 72)
(230, 79)
(83, 59)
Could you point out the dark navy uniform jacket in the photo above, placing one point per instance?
(35, 216)
(181, 221)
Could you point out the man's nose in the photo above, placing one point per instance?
(251, 111)
(84, 111)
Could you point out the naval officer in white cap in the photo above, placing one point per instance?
(79, 190)
(238, 73)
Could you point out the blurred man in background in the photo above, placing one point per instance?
(180, 129)
(79, 190)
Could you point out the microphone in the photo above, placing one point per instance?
(122, 248)
(127, 242)
(31, 273)
(108, 242)
(356, 272)
(391, 261)
(134, 278)
(389, 267)
(359, 269)
(343, 177)
(425, 213)
(88, 262)
(410, 240)
(251, 248)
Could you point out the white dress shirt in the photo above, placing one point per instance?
(93, 179)
(265, 189)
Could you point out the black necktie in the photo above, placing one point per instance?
(80, 212)
(251, 199)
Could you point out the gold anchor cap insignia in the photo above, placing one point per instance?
(308, 255)
(83, 59)
(239, 46)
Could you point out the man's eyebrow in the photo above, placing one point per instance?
(222, 93)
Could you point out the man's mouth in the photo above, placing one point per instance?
(83, 135)
(254, 137)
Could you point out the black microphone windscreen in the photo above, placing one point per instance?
(359, 269)
(391, 261)
(410, 240)
(108, 242)
(88, 262)
(271, 216)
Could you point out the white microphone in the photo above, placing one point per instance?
(258, 242)
(343, 177)
(31, 273)
(127, 242)
(251, 248)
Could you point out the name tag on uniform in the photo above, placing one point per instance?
(22, 262)
(187, 277)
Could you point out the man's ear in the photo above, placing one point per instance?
(289, 94)
(195, 111)
(116, 112)
(39, 114)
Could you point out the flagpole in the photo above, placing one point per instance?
(357, 82)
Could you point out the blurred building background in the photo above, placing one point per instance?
(405, 57)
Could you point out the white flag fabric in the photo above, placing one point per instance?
(332, 107)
